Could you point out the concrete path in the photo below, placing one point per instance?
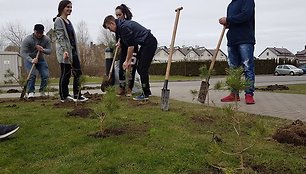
(288, 106)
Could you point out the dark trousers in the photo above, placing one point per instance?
(66, 70)
(145, 56)
(122, 72)
(108, 64)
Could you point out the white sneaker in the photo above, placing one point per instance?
(31, 95)
(82, 98)
(69, 98)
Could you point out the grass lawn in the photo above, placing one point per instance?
(182, 140)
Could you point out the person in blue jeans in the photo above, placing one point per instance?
(31, 45)
(132, 33)
(240, 21)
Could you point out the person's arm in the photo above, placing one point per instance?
(25, 50)
(128, 60)
(47, 49)
(246, 12)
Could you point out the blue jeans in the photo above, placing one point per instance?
(243, 55)
(42, 68)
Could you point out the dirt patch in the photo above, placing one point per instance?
(274, 87)
(81, 112)
(93, 97)
(12, 91)
(201, 120)
(143, 103)
(127, 129)
(292, 134)
(12, 106)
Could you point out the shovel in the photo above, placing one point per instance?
(106, 83)
(205, 83)
(24, 89)
(165, 91)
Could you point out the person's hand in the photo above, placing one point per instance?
(39, 48)
(35, 61)
(127, 65)
(66, 55)
(222, 21)
(118, 44)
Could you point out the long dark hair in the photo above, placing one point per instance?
(126, 11)
(61, 7)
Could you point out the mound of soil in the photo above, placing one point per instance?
(81, 112)
(201, 120)
(12, 91)
(274, 87)
(292, 134)
(93, 97)
(127, 129)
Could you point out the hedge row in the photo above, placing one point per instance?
(191, 68)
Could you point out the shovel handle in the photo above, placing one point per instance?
(113, 62)
(33, 65)
(178, 10)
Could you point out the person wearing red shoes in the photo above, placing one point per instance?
(240, 21)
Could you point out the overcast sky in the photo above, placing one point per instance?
(279, 23)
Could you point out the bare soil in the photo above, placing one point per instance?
(274, 87)
(131, 129)
(292, 134)
(81, 112)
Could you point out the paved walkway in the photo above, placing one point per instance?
(288, 106)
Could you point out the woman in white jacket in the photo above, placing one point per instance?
(67, 53)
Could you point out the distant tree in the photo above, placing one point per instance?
(13, 33)
(106, 38)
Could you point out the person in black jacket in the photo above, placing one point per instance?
(240, 21)
(124, 13)
(132, 33)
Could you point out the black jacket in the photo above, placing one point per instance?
(131, 32)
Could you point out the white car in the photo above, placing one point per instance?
(287, 70)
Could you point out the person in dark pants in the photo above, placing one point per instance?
(132, 33)
(124, 13)
(240, 21)
(67, 53)
(36, 42)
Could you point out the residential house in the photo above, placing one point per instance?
(301, 56)
(178, 55)
(209, 53)
(276, 53)
(161, 55)
(190, 54)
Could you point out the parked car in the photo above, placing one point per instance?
(287, 70)
(303, 67)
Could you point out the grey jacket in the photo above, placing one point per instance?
(28, 50)
(62, 41)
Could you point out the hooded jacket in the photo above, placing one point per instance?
(241, 22)
(131, 32)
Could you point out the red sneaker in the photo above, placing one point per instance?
(230, 98)
(249, 99)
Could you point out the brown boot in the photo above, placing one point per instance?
(120, 92)
(129, 92)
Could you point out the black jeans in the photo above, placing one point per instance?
(122, 72)
(66, 70)
(145, 56)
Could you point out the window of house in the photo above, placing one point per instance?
(268, 54)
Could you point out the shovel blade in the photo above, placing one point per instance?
(203, 91)
(165, 99)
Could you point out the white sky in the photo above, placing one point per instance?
(279, 23)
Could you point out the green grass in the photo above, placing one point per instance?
(293, 89)
(177, 141)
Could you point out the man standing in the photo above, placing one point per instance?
(240, 21)
(132, 33)
(29, 48)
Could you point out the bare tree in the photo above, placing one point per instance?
(13, 33)
(106, 38)
(83, 42)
